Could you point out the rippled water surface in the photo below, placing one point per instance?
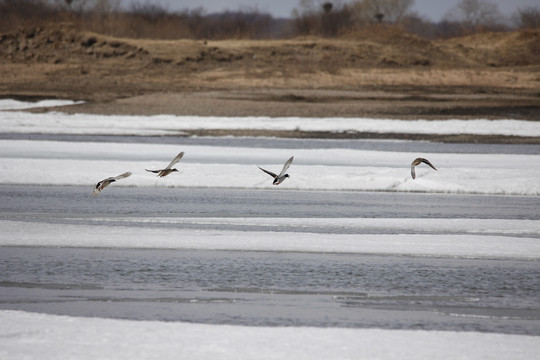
(268, 288)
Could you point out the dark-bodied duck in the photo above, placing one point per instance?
(106, 182)
(168, 170)
(418, 161)
(278, 179)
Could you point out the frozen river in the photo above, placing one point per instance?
(349, 258)
(266, 288)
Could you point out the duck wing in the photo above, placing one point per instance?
(268, 172)
(106, 182)
(286, 166)
(418, 161)
(175, 160)
(426, 161)
(121, 176)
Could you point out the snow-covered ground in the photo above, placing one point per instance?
(61, 123)
(39, 336)
(86, 163)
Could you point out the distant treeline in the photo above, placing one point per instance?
(311, 17)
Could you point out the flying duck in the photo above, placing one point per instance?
(103, 183)
(278, 179)
(168, 170)
(418, 161)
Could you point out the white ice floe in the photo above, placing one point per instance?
(62, 123)
(85, 163)
(510, 227)
(468, 245)
(31, 336)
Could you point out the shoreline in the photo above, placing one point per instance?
(320, 103)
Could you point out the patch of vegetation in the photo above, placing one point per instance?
(311, 17)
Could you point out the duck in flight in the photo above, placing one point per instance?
(168, 170)
(105, 182)
(418, 161)
(278, 179)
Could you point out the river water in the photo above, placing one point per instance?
(267, 288)
(254, 288)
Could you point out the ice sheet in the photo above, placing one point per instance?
(18, 233)
(62, 123)
(30, 336)
(86, 163)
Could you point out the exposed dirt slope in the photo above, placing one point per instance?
(384, 48)
(375, 73)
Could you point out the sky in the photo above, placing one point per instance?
(432, 9)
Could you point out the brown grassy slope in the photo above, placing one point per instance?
(377, 72)
(369, 48)
(515, 49)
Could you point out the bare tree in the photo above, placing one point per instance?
(327, 18)
(334, 21)
(528, 18)
(313, 7)
(475, 13)
(105, 6)
(16, 13)
(71, 5)
(149, 12)
(391, 11)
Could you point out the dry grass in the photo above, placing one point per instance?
(382, 74)
(61, 61)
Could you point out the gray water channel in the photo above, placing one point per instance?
(32, 202)
(275, 289)
(267, 288)
(283, 143)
